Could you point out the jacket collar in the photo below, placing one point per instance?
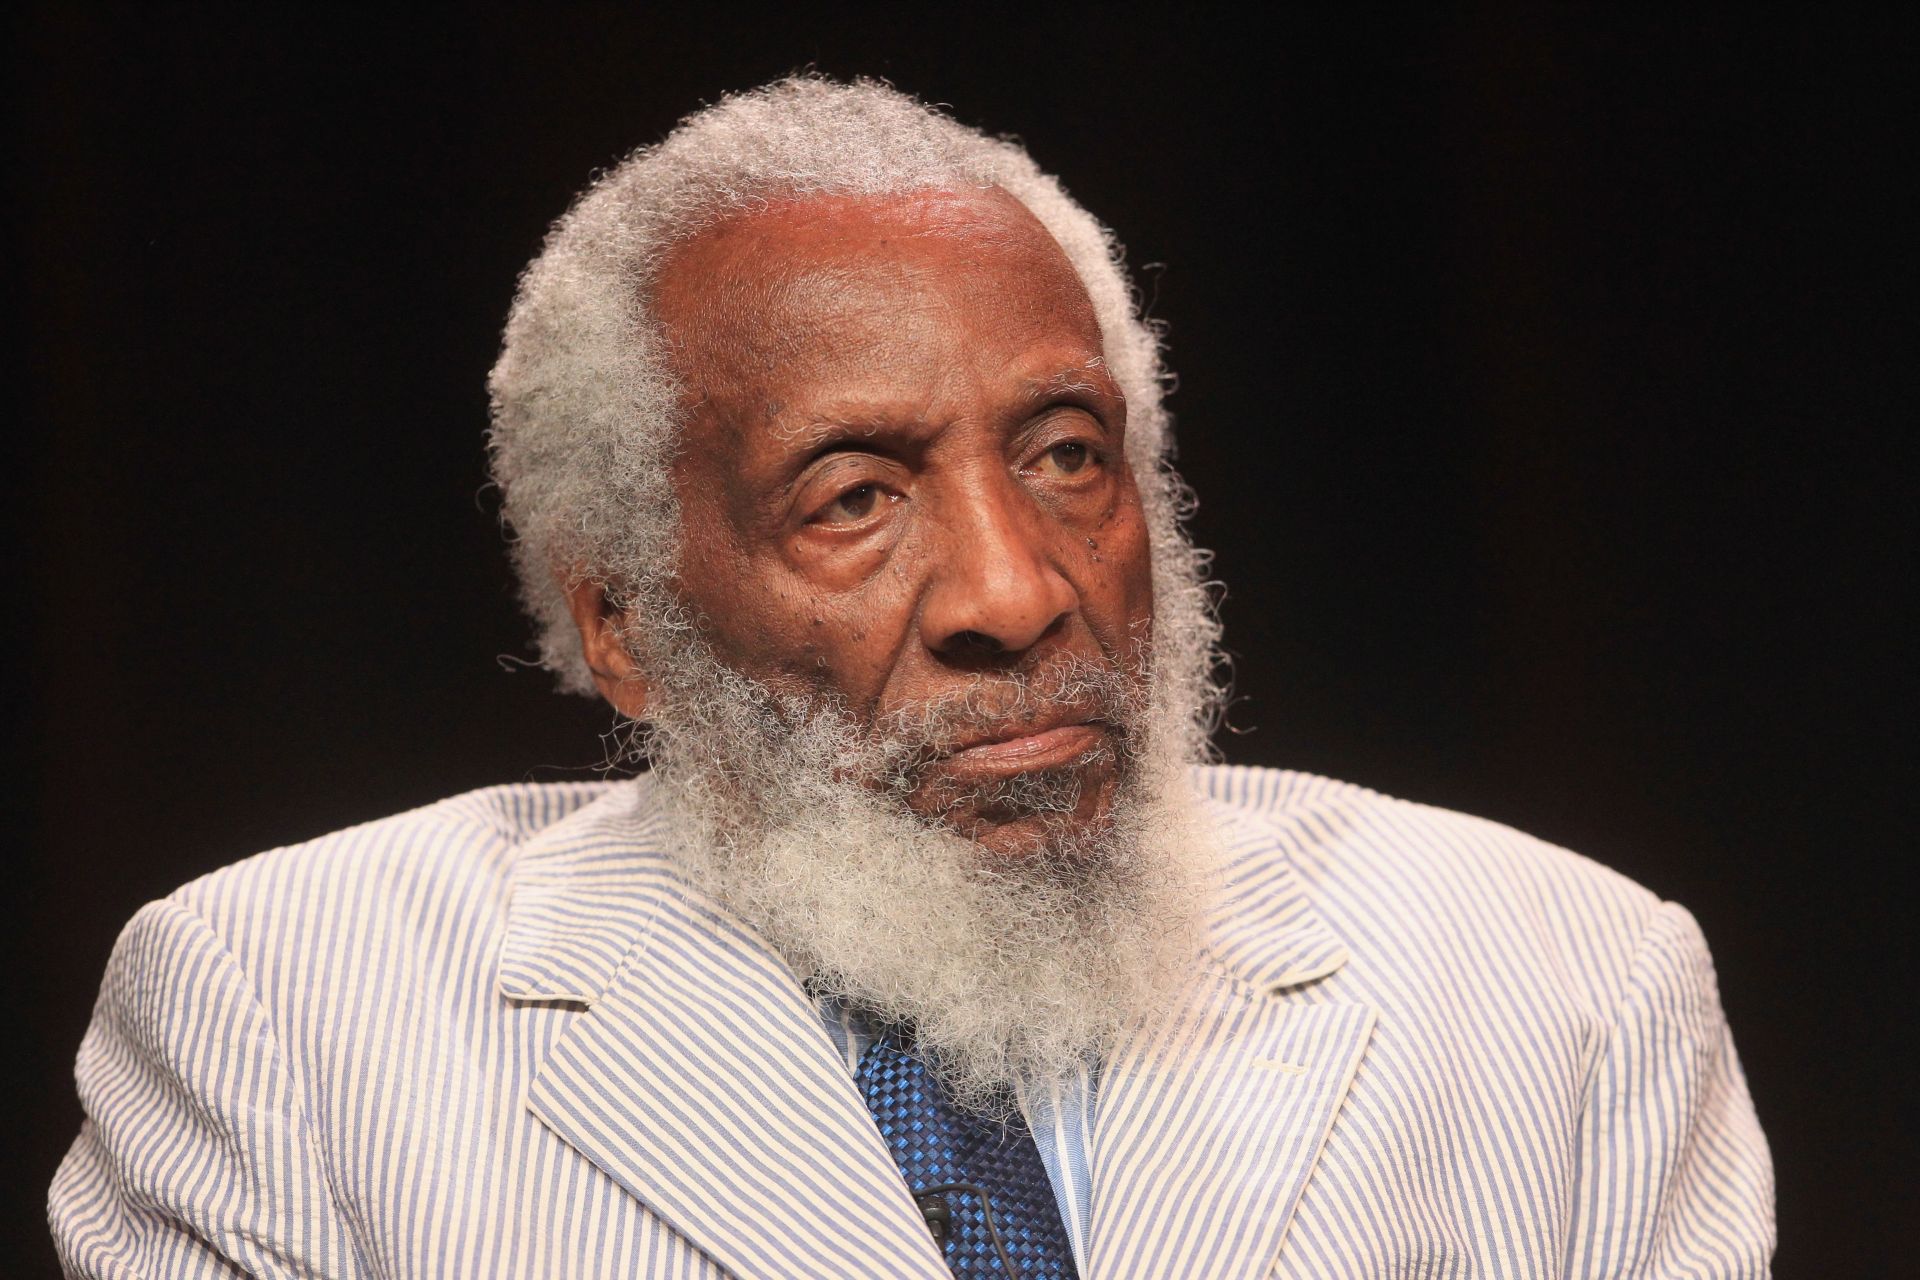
(1264, 930)
(582, 891)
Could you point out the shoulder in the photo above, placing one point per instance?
(236, 1014)
(1358, 840)
(421, 871)
(1425, 888)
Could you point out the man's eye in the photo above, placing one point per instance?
(1069, 457)
(855, 504)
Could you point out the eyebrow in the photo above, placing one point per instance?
(1090, 377)
(833, 428)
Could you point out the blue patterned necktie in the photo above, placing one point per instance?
(937, 1146)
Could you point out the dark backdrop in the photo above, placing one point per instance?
(1536, 377)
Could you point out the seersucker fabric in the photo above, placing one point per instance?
(501, 1036)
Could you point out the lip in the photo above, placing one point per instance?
(1025, 752)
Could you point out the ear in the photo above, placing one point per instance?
(614, 673)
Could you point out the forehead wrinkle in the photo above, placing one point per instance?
(742, 298)
(828, 332)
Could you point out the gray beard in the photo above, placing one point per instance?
(1012, 971)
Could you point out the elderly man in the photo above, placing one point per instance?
(834, 452)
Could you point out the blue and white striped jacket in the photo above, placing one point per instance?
(500, 1037)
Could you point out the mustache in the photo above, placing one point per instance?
(1041, 692)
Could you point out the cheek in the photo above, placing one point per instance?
(856, 638)
(831, 566)
(1119, 576)
(801, 640)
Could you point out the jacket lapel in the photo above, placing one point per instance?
(1209, 1121)
(700, 1077)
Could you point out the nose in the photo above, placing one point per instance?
(995, 587)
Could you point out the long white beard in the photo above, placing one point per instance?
(1012, 971)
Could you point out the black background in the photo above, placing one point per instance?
(1537, 377)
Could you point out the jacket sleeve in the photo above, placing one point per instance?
(1674, 1176)
(195, 1158)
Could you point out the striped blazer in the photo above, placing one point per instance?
(499, 1036)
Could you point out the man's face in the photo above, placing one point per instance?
(903, 469)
